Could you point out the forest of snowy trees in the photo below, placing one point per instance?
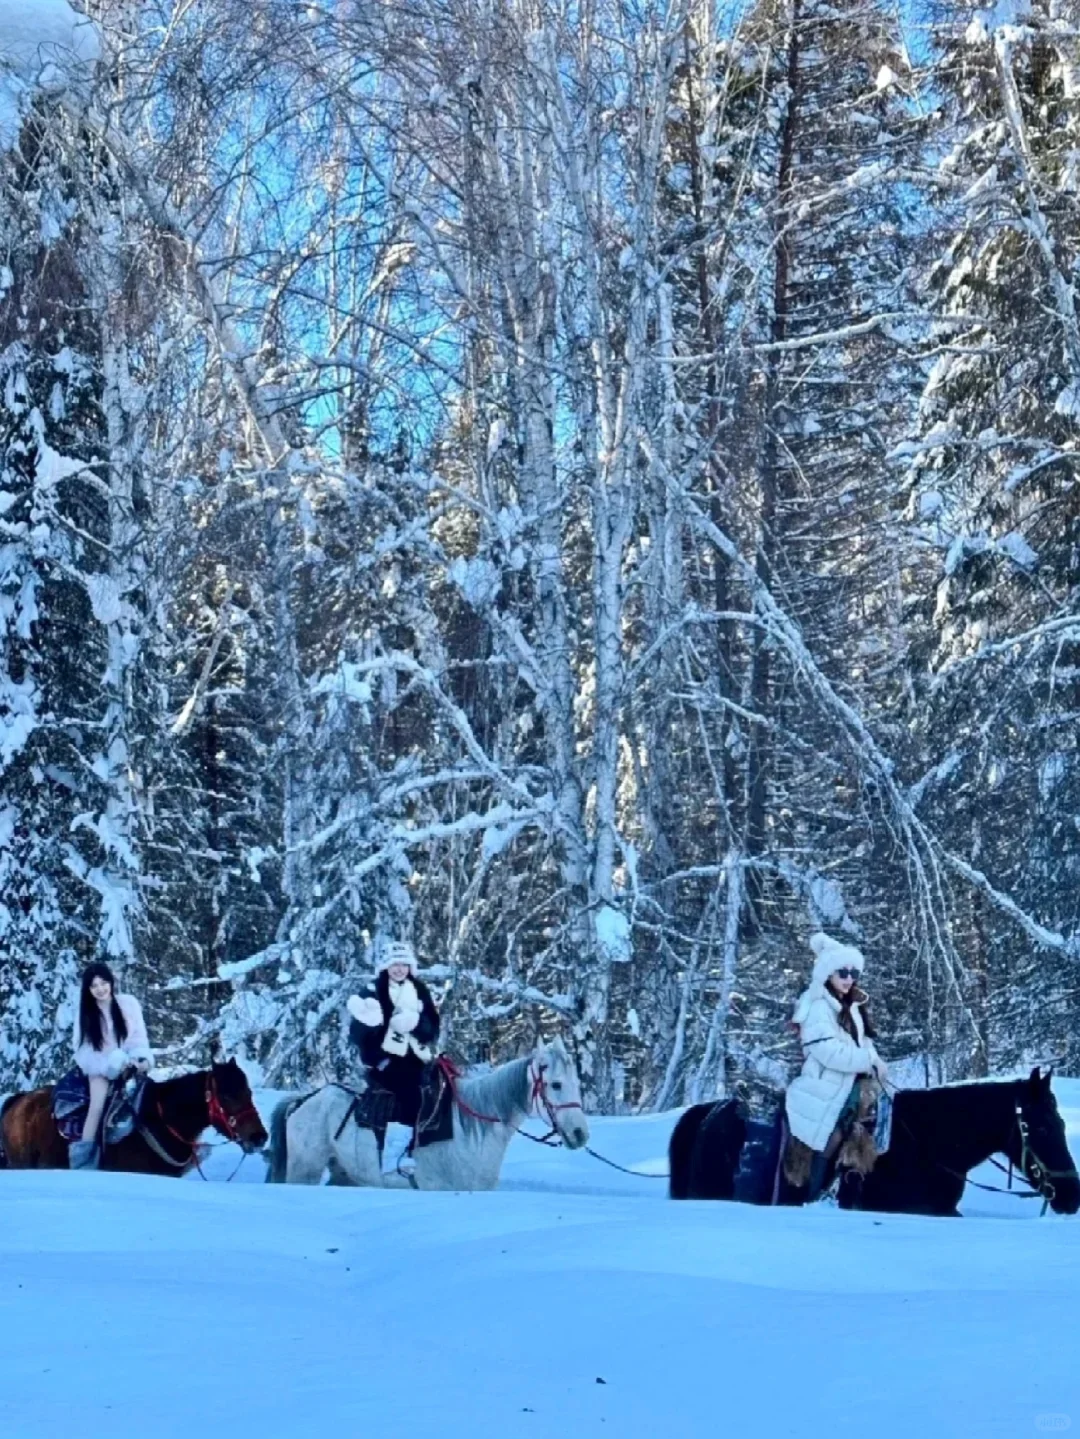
(590, 487)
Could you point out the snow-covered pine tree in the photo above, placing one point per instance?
(67, 855)
(994, 506)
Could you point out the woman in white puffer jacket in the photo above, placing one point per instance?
(837, 1049)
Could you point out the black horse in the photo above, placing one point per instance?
(938, 1136)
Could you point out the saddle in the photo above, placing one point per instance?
(71, 1100)
(376, 1108)
(860, 1137)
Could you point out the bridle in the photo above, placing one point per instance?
(540, 1100)
(226, 1124)
(1032, 1170)
(1039, 1175)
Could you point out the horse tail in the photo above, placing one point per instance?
(278, 1167)
(6, 1100)
(681, 1150)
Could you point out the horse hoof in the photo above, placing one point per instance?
(83, 1154)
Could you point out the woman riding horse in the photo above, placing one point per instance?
(395, 1026)
(109, 1037)
(834, 1092)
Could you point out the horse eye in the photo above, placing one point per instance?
(557, 1085)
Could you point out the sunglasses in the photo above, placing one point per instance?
(846, 973)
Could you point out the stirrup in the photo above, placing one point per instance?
(83, 1154)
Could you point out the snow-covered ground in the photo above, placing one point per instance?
(575, 1301)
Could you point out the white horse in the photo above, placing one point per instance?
(314, 1132)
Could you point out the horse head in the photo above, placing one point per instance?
(1037, 1144)
(557, 1093)
(232, 1108)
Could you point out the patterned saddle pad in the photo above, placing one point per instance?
(71, 1100)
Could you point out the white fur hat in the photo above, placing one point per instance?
(397, 951)
(830, 955)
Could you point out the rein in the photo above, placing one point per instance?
(1032, 1170)
(538, 1098)
(225, 1124)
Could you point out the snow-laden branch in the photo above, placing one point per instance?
(1064, 628)
(833, 337)
(919, 844)
(1045, 938)
(515, 989)
(194, 701)
(406, 664)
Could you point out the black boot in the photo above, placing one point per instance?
(851, 1188)
(818, 1172)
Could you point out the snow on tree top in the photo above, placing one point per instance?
(45, 45)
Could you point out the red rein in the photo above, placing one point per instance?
(226, 1124)
(538, 1095)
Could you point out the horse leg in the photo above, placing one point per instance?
(336, 1174)
(355, 1153)
(306, 1148)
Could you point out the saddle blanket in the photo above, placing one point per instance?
(883, 1125)
(71, 1100)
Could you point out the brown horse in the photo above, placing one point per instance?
(165, 1140)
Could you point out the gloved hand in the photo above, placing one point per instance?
(404, 1021)
(881, 1070)
(365, 1011)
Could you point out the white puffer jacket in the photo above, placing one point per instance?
(832, 1059)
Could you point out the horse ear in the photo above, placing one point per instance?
(214, 1051)
(1035, 1078)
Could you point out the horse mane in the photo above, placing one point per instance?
(498, 1092)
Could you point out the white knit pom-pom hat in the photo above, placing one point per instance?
(830, 955)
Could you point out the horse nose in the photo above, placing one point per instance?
(581, 1136)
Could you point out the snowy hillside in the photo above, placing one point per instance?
(574, 1302)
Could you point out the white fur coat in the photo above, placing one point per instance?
(112, 1059)
(405, 1016)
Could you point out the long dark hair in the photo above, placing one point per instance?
(90, 1013)
(858, 996)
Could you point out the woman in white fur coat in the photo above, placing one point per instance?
(837, 1043)
(395, 1025)
(109, 1038)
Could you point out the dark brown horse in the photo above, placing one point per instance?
(165, 1140)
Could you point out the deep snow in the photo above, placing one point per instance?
(145, 1306)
